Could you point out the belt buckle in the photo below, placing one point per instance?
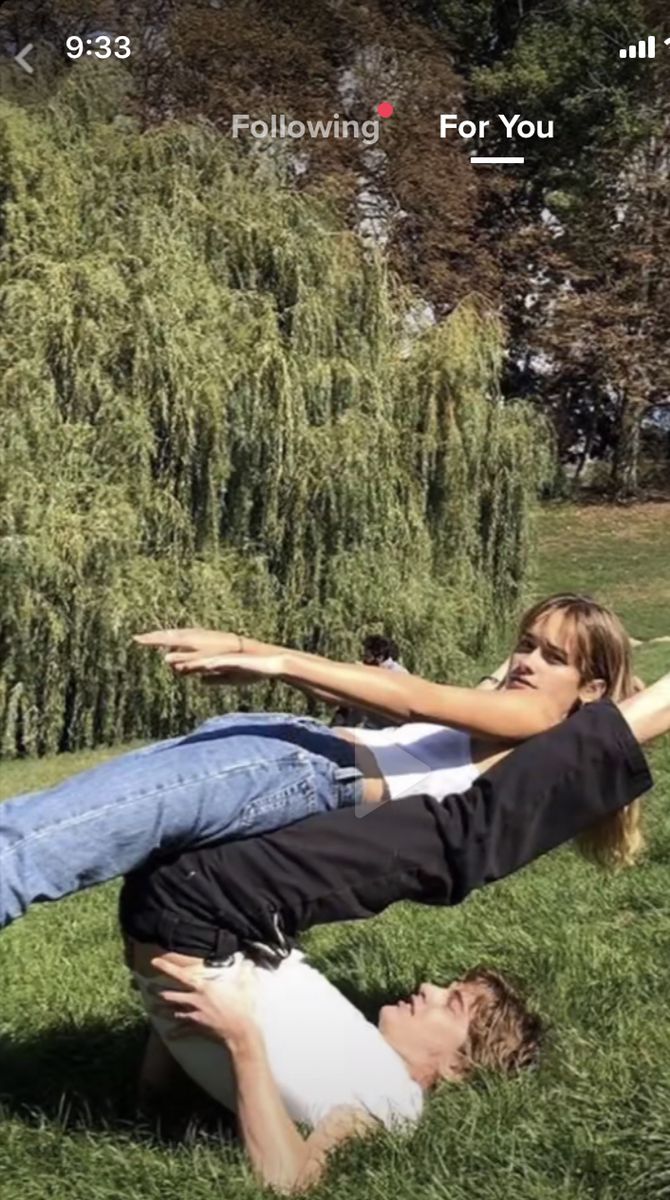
(220, 962)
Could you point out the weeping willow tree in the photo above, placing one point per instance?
(211, 413)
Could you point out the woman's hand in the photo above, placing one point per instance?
(227, 668)
(191, 641)
(203, 1007)
(217, 657)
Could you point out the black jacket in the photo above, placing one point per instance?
(353, 863)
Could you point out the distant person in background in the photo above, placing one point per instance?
(378, 651)
(383, 652)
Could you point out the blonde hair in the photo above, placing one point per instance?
(602, 651)
(503, 1034)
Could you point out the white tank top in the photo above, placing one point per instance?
(322, 1051)
(433, 760)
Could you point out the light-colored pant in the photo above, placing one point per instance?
(234, 776)
(206, 1062)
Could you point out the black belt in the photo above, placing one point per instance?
(217, 946)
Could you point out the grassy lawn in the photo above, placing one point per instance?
(620, 555)
(593, 951)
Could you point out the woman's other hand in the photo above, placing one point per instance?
(227, 668)
(190, 641)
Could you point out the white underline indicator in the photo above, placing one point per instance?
(496, 161)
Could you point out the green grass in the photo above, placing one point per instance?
(621, 555)
(593, 951)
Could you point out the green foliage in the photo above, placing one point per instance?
(564, 65)
(471, 29)
(598, 315)
(212, 413)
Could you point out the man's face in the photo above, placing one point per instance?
(430, 1028)
(372, 660)
(544, 661)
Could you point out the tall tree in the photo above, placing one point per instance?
(213, 410)
(587, 302)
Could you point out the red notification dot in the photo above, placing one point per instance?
(385, 109)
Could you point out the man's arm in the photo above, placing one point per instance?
(279, 1154)
(281, 1157)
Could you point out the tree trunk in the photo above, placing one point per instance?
(624, 483)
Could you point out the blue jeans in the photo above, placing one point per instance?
(234, 776)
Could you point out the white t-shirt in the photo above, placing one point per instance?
(322, 1051)
(435, 760)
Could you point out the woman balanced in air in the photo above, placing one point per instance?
(243, 774)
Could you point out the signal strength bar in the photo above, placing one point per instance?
(643, 49)
(480, 160)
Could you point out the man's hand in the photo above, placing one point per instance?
(203, 1007)
(280, 1156)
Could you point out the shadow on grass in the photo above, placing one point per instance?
(85, 1077)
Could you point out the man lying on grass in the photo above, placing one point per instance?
(287, 1047)
(297, 1051)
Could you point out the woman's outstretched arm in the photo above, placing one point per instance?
(509, 715)
(190, 644)
(193, 651)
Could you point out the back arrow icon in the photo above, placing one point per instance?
(22, 57)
